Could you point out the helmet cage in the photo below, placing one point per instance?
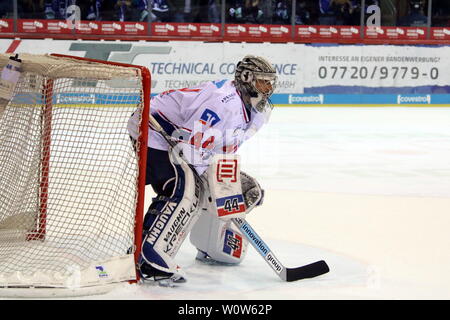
(256, 77)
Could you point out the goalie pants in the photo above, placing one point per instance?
(160, 173)
(220, 240)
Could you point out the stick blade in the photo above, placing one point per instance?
(307, 271)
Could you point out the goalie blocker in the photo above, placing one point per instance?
(205, 214)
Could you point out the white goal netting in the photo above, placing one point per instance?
(68, 174)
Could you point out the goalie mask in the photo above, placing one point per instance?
(255, 78)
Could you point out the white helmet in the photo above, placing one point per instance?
(256, 77)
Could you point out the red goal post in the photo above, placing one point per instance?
(72, 183)
(142, 143)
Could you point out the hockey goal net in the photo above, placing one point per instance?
(71, 179)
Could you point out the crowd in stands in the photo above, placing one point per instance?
(441, 12)
(306, 12)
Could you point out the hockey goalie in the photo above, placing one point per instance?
(208, 123)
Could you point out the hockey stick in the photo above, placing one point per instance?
(286, 274)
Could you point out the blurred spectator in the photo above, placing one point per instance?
(90, 9)
(56, 9)
(182, 10)
(307, 12)
(106, 10)
(343, 11)
(214, 15)
(160, 11)
(118, 10)
(236, 14)
(304, 12)
(247, 11)
(6, 10)
(124, 10)
(441, 13)
(347, 12)
(327, 13)
(203, 11)
(140, 10)
(339, 12)
(416, 16)
(282, 12)
(51, 11)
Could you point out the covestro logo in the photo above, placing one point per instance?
(305, 99)
(421, 99)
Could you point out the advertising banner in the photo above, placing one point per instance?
(396, 33)
(82, 27)
(308, 74)
(328, 32)
(6, 25)
(230, 32)
(440, 33)
(186, 29)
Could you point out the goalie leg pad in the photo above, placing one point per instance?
(169, 220)
(233, 193)
(218, 241)
(224, 187)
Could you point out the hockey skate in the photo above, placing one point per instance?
(205, 258)
(154, 276)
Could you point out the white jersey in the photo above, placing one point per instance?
(209, 119)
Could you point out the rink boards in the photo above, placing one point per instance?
(308, 74)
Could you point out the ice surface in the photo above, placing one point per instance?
(366, 189)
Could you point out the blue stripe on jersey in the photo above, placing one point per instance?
(219, 84)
